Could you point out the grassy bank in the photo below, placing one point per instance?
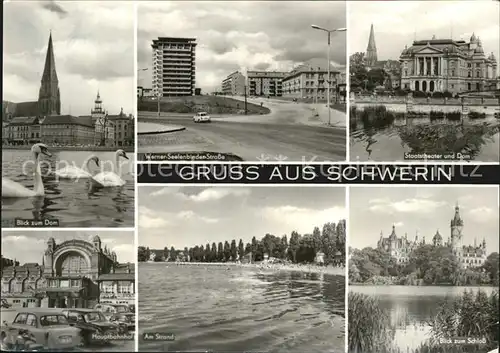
(469, 315)
(193, 104)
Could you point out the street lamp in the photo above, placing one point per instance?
(329, 31)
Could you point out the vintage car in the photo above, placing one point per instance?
(90, 321)
(118, 313)
(202, 117)
(47, 328)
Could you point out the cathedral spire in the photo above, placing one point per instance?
(48, 98)
(371, 50)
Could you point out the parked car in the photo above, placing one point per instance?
(201, 117)
(48, 328)
(118, 313)
(90, 321)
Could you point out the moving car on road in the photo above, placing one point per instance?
(201, 117)
(45, 327)
(89, 322)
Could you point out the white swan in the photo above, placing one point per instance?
(72, 172)
(108, 179)
(11, 189)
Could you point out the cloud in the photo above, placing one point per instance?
(53, 6)
(151, 219)
(483, 214)
(91, 52)
(271, 35)
(191, 216)
(125, 252)
(413, 205)
(302, 219)
(206, 195)
(21, 239)
(398, 224)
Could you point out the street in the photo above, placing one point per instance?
(290, 133)
(115, 346)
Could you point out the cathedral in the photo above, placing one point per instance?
(392, 68)
(468, 256)
(49, 100)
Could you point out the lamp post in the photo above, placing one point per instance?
(329, 32)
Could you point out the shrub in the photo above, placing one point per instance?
(447, 94)
(437, 95)
(436, 115)
(419, 94)
(476, 115)
(368, 325)
(454, 116)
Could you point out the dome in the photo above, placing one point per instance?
(438, 236)
(51, 240)
(96, 239)
(473, 38)
(492, 57)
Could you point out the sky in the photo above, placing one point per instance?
(423, 209)
(241, 35)
(189, 216)
(93, 46)
(29, 246)
(398, 23)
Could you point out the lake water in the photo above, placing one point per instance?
(411, 307)
(73, 203)
(240, 309)
(480, 142)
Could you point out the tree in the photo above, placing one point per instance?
(227, 251)
(141, 256)
(165, 253)
(241, 249)
(208, 253)
(220, 252)
(173, 254)
(293, 246)
(233, 251)
(358, 71)
(213, 252)
(254, 247)
(491, 268)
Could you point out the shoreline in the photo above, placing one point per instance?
(329, 270)
(129, 149)
(416, 285)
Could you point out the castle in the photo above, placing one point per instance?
(468, 256)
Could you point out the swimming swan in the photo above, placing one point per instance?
(72, 172)
(108, 179)
(14, 189)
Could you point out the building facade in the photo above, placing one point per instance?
(400, 248)
(265, 83)
(446, 65)
(69, 277)
(123, 129)
(23, 130)
(118, 287)
(311, 82)
(67, 130)
(174, 66)
(104, 130)
(234, 84)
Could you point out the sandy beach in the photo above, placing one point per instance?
(330, 270)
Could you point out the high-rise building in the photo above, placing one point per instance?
(234, 84)
(174, 66)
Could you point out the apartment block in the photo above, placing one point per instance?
(265, 83)
(311, 82)
(234, 84)
(174, 66)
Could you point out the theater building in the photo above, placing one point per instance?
(439, 65)
(69, 276)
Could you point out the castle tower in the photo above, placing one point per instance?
(49, 100)
(97, 105)
(456, 226)
(371, 50)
